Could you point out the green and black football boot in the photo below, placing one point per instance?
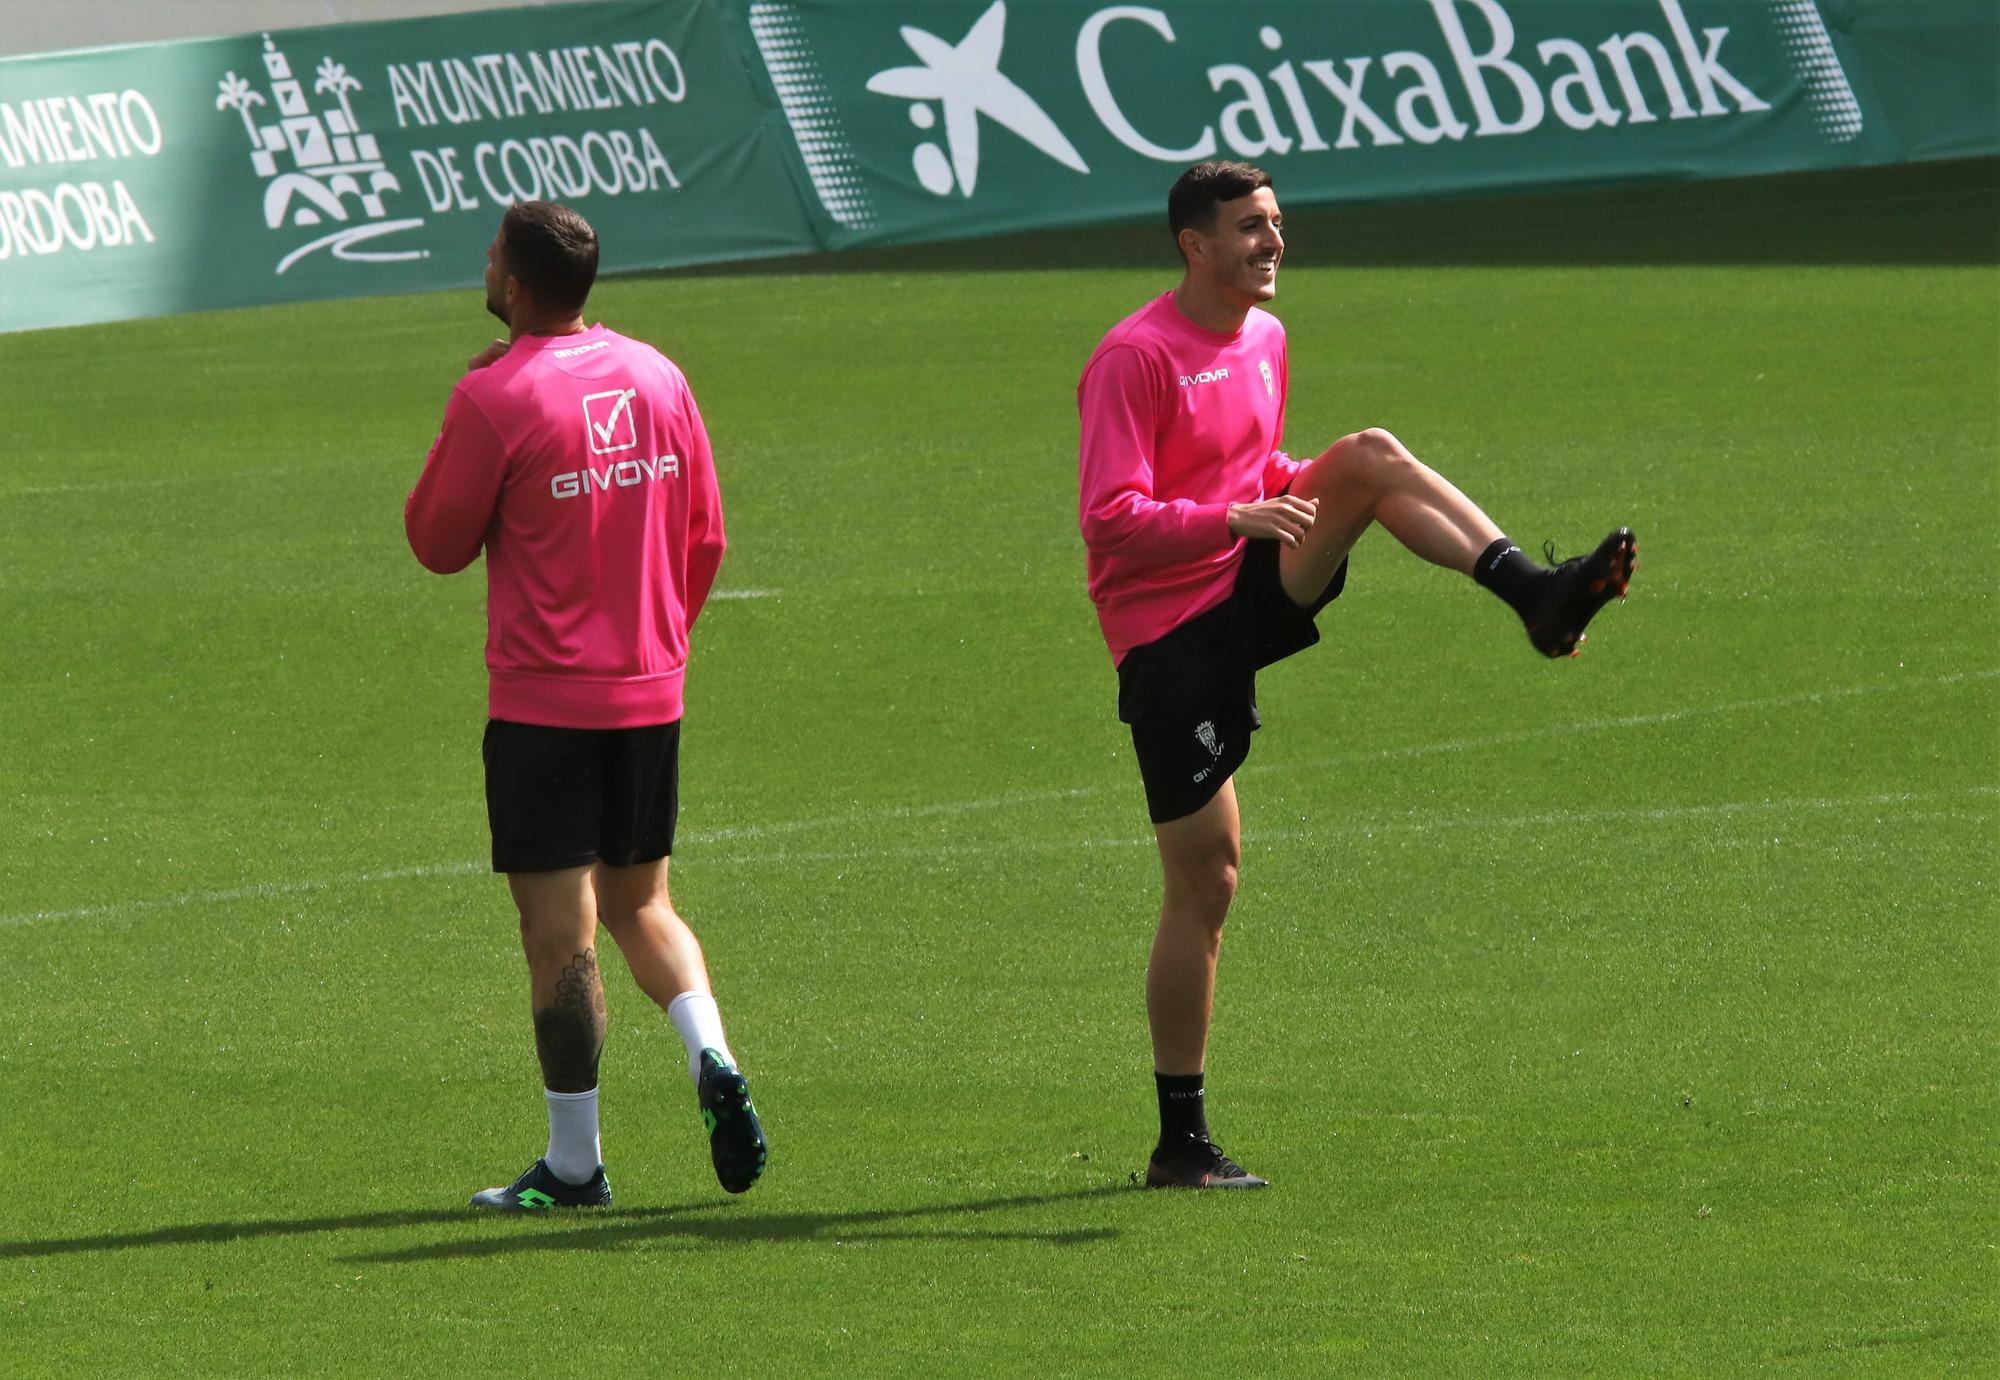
(735, 1136)
(539, 1189)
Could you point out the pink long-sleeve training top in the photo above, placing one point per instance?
(1178, 422)
(580, 463)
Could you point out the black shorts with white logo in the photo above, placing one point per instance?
(1191, 696)
(569, 797)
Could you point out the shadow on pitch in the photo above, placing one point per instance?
(213, 1233)
(707, 1220)
(723, 1223)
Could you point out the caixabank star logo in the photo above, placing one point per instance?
(964, 78)
(952, 88)
(318, 166)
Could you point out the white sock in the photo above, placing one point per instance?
(574, 1153)
(697, 1018)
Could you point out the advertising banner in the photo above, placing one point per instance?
(370, 158)
(916, 121)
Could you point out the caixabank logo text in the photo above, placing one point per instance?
(1465, 72)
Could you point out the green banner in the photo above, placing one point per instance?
(370, 158)
(917, 121)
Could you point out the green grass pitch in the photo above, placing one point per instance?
(1625, 1016)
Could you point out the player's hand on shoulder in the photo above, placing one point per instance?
(1284, 519)
(489, 354)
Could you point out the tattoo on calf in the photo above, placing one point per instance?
(569, 1033)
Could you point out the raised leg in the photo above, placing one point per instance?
(1371, 477)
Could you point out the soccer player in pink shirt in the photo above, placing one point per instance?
(1211, 553)
(577, 460)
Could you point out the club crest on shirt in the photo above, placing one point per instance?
(1270, 388)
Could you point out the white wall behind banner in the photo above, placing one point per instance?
(49, 26)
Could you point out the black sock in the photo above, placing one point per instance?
(1510, 573)
(1181, 1117)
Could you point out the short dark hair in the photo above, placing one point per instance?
(552, 250)
(1198, 191)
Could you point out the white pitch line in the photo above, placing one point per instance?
(744, 593)
(158, 481)
(889, 812)
(754, 832)
(1369, 829)
(256, 891)
(1670, 716)
(963, 807)
(1363, 830)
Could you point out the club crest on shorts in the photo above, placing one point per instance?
(1204, 733)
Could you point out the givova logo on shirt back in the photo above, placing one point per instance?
(610, 420)
(611, 424)
(616, 474)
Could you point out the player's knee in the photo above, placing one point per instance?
(550, 946)
(1380, 441)
(533, 940)
(1376, 458)
(1222, 882)
(618, 919)
(631, 921)
(1217, 891)
(1207, 884)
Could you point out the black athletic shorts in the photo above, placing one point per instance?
(1191, 696)
(569, 797)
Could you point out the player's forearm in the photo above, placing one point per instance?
(453, 503)
(704, 563)
(442, 539)
(1136, 528)
(445, 529)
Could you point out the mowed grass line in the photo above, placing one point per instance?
(1625, 1016)
(935, 827)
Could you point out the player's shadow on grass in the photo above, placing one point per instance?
(692, 1221)
(593, 1231)
(212, 1233)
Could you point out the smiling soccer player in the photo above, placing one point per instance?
(1211, 554)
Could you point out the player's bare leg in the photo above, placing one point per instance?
(662, 952)
(667, 963)
(558, 936)
(1199, 855)
(1371, 477)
